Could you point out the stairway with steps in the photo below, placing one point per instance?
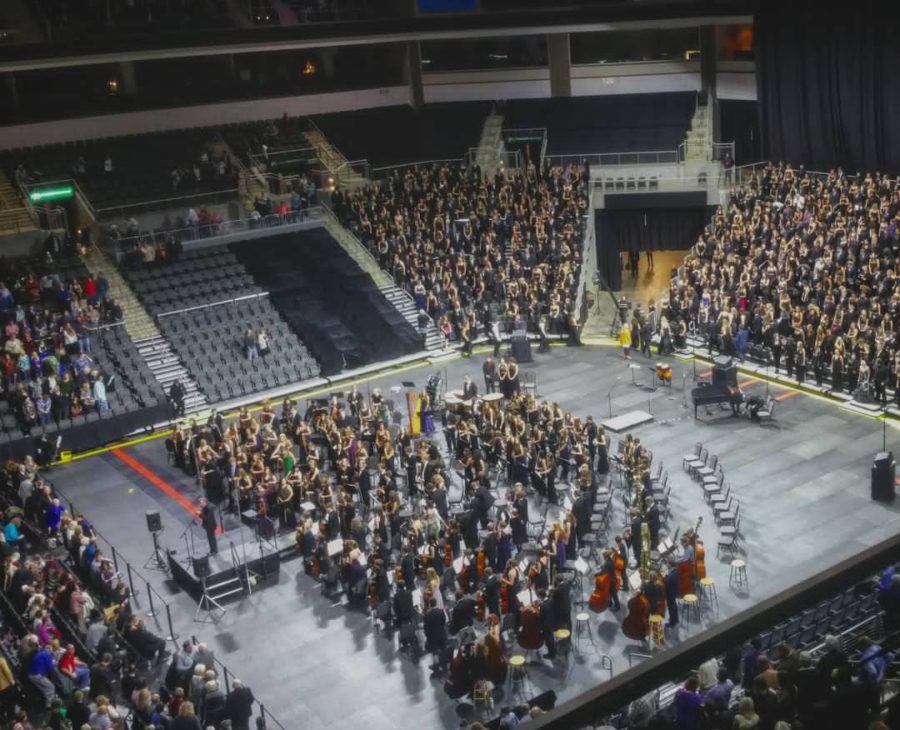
(141, 328)
(399, 298)
(698, 139)
(167, 368)
(489, 157)
(14, 217)
(334, 161)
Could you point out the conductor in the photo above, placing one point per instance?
(208, 520)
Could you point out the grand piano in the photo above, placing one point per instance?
(722, 389)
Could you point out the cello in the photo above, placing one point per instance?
(599, 601)
(496, 662)
(637, 623)
(530, 637)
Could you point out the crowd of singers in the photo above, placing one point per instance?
(472, 248)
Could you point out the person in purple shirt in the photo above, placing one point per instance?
(719, 694)
(54, 515)
(688, 705)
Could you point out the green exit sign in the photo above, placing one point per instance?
(58, 193)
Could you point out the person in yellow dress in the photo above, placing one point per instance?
(625, 340)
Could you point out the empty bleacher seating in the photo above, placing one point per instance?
(400, 134)
(593, 124)
(328, 299)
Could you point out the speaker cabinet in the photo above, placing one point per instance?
(154, 522)
(201, 566)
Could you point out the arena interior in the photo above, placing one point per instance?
(449, 364)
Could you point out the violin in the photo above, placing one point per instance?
(637, 623)
(481, 563)
(448, 554)
(504, 598)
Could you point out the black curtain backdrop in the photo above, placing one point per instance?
(651, 229)
(828, 84)
(739, 123)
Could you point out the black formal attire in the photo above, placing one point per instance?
(562, 605)
(482, 503)
(470, 390)
(435, 627)
(548, 626)
(404, 610)
(239, 707)
(208, 521)
(488, 369)
(491, 593)
(463, 614)
(672, 583)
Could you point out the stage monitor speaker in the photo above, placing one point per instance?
(884, 472)
(154, 522)
(201, 566)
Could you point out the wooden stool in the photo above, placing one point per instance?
(582, 629)
(708, 594)
(738, 578)
(657, 631)
(518, 676)
(690, 608)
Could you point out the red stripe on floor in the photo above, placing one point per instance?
(787, 394)
(157, 482)
(745, 383)
(704, 374)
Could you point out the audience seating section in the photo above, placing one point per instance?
(209, 343)
(400, 134)
(329, 300)
(198, 277)
(141, 166)
(593, 124)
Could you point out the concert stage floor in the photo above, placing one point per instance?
(803, 483)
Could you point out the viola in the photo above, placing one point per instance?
(637, 623)
(481, 563)
(504, 598)
(599, 601)
(448, 554)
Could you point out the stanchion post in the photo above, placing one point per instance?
(130, 579)
(172, 635)
(152, 612)
(115, 557)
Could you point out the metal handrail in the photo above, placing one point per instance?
(173, 199)
(223, 229)
(210, 305)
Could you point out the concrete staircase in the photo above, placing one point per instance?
(142, 329)
(698, 140)
(14, 217)
(167, 368)
(334, 161)
(489, 157)
(399, 298)
(138, 324)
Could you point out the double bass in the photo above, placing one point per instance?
(687, 569)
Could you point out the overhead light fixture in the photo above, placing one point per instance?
(112, 87)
